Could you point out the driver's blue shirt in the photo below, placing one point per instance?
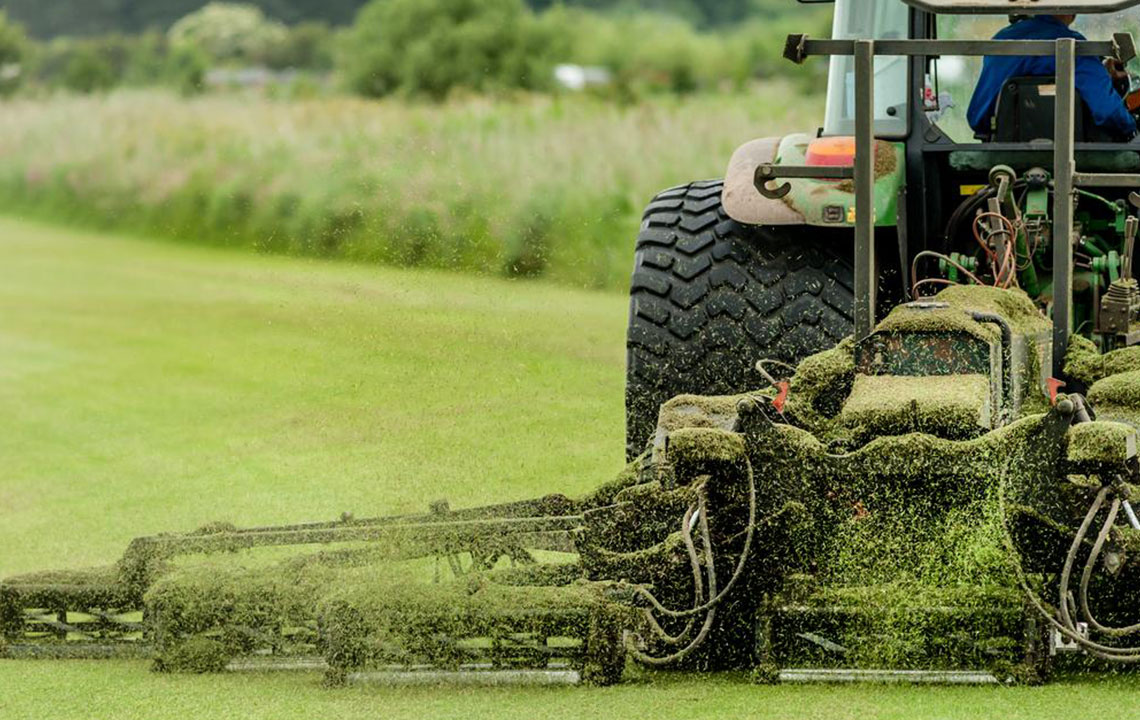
(1092, 80)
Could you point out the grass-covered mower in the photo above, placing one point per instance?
(918, 496)
(868, 512)
(365, 596)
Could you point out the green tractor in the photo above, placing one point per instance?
(726, 274)
(884, 396)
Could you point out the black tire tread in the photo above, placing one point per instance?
(710, 296)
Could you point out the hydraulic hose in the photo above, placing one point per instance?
(1087, 574)
(971, 203)
(710, 617)
(717, 598)
(1066, 627)
(716, 595)
(698, 584)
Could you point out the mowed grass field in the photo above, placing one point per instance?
(148, 386)
(151, 387)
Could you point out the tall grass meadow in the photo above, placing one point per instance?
(537, 186)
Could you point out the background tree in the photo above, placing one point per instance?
(429, 47)
(306, 45)
(48, 18)
(13, 49)
(88, 70)
(186, 68)
(229, 32)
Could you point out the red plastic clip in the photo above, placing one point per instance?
(779, 400)
(1054, 385)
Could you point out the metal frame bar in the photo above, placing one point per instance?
(910, 677)
(800, 47)
(427, 532)
(1117, 180)
(1063, 171)
(866, 279)
(1029, 7)
(768, 171)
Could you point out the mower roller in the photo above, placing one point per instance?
(883, 402)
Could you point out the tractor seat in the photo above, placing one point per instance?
(1025, 113)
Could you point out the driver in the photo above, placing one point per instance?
(1094, 82)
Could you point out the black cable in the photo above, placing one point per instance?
(736, 574)
(716, 595)
(1105, 530)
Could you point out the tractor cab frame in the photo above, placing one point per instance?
(936, 165)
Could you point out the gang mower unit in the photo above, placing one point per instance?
(883, 401)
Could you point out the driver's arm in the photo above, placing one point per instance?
(1096, 89)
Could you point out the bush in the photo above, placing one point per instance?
(232, 33)
(88, 71)
(672, 56)
(308, 45)
(430, 47)
(13, 48)
(757, 48)
(145, 59)
(99, 63)
(229, 32)
(186, 69)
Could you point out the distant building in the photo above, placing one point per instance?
(247, 77)
(580, 77)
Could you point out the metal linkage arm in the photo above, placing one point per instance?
(412, 535)
(767, 172)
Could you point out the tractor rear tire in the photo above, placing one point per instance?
(711, 296)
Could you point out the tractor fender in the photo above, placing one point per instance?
(741, 200)
(817, 202)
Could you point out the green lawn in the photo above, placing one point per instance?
(126, 691)
(151, 387)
